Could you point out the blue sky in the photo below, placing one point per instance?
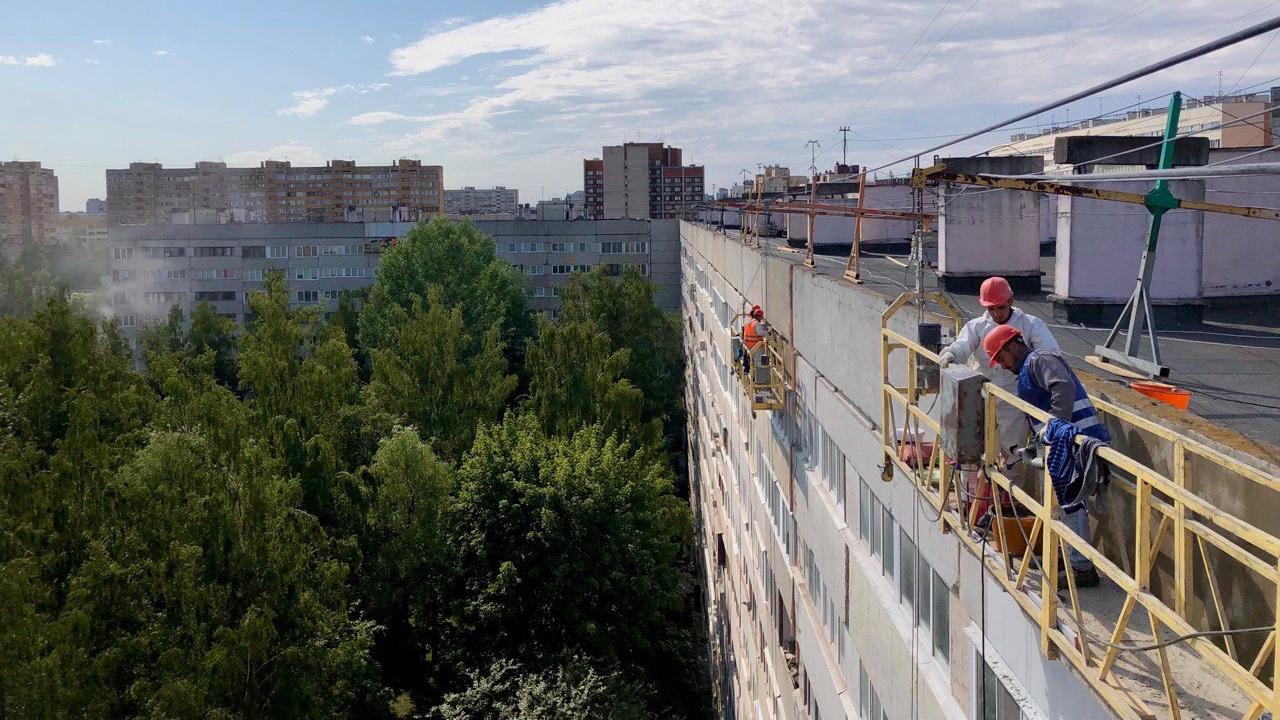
(517, 93)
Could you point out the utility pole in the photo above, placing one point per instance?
(813, 199)
(844, 154)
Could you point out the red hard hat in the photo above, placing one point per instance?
(997, 338)
(995, 291)
(757, 312)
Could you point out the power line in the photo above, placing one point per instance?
(1222, 42)
(1255, 62)
(894, 69)
(935, 45)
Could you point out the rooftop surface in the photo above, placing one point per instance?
(1230, 361)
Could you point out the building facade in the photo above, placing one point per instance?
(469, 200)
(28, 204)
(841, 579)
(95, 206)
(593, 188)
(640, 180)
(154, 267)
(82, 229)
(274, 192)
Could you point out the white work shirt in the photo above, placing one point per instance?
(967, 348)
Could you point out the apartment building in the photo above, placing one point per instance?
(274, 192)
(83, 229)
(28, 204)
(1229, 122)
(593, 188)
(95, 206)
(469, 200)
(640, 180)
(154, 267)
(841, 577)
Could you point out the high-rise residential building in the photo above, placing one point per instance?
(640, 180)
(593, 188)
(28, 204)
(275, 191)
(95, 206)
(469, 200)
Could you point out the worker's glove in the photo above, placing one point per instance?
(945, 359)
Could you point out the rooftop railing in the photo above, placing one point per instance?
(1211, 665)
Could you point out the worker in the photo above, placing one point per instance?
(997, 297)
(753, 331)
(1046, 381)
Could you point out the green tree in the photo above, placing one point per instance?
(441, 378)
(566, 690)
(459, 260)
(407, 553)
(576, 379)
(571, 544)
(624, 309)
(212, 333)
(302, 380)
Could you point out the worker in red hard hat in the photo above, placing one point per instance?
(1046, 380)
(997, 297)
(754, 330)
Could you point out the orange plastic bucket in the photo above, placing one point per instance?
(1164, 392)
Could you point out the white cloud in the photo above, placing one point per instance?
(379, 117)
(309, 102)
(294, 151)
(91, 61)
(737, 82)
(101, 42)
(38, 60)
(160, 52)
(368, 39)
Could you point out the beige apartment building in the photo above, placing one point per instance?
(28, 204)
(275, 191)
(640, 180)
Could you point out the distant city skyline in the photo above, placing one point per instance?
(517, 93)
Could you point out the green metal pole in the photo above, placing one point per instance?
(1158, 202)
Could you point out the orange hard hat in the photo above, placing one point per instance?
(997, 338)
(757, 312)
(995, 291)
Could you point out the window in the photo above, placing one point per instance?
(864, 509)
(277, 251)
(128, 321)
(255, 275)
(869, 706)
(308, 296)
(218, 251)
(119, 298)
(119, 276)
(161, 298)
(610, 247)
(252, 251)
(941, 618)
(907, 573)
(307, 251)
(311, 273)
(995, 702)
(216, 295)
(886, 534)
(223, 274)
(122, 253)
